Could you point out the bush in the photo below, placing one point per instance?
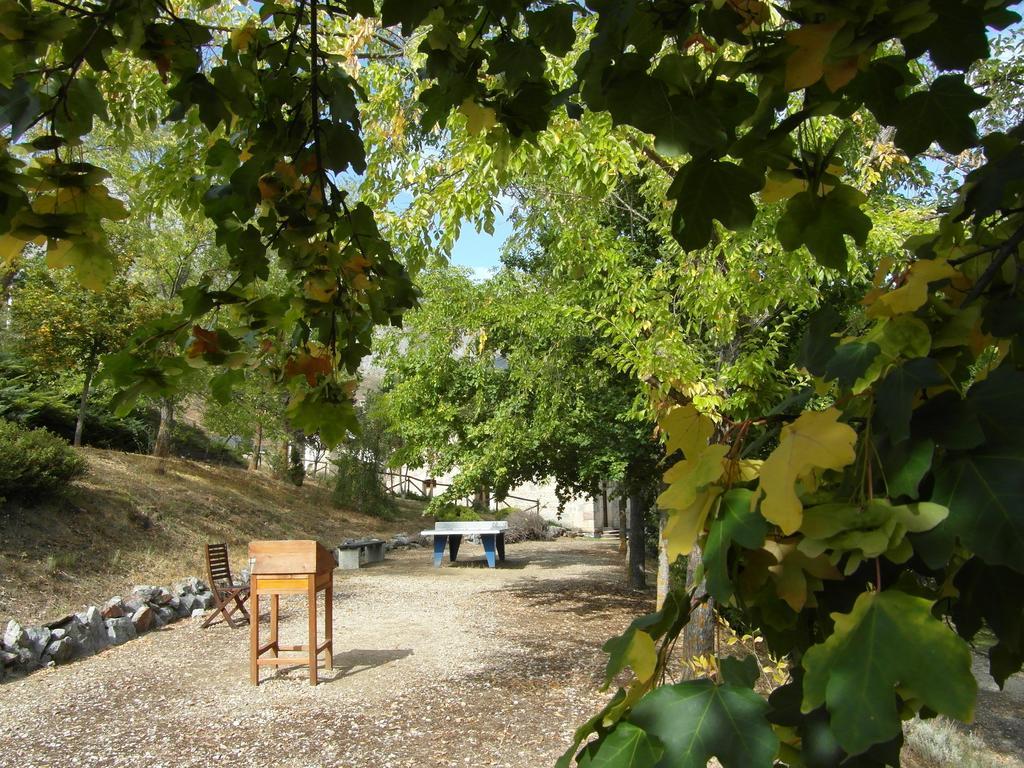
(453, 513)
(358, 486)
(34, 463)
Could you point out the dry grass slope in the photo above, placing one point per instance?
(135, 519)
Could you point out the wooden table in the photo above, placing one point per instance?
(290, 568)
(491, 533)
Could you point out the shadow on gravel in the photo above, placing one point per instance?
(360, 660)
(582, 597)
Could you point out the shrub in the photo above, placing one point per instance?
(358, 486)
(451, 512)
(34, 463)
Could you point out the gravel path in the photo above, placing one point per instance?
(451, 667)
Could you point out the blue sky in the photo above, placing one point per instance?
(480, 251)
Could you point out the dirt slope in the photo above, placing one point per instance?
(136, 520)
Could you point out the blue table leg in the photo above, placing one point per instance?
(439, 542)
(488, 542)
(454, 541)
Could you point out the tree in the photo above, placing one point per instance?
(63, 327)
(499, 380)
(903, 473)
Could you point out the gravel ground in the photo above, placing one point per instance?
(451, 667)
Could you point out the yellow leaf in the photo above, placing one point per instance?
(806, 65)
(10, 248)
(781, 185)
(242, 37)
(92, 261)
(320, 288)
(478, 119)
(791, 570)
(688, 430)
(642, 655)
(685, 525)
(912, 295)
(690, 476)
(816, 439)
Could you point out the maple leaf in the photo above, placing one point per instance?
(889, 641)
(815, 440)
(310, 366)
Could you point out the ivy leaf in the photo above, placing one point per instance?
(736, 523)
(705, 190)
(889, 640)
(820, 223)
(698, 720)
(806, 64)
(625, 747)
(942, 114)
(984, 491)
(913, 293)
(633, 648)
(816, 439)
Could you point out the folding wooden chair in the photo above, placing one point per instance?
(228, 597)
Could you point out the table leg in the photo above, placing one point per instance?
(501, 546)
(311, 603)
(254, 638)
(488, 542)
(454, 542)
(329, 624)
(439, 542)
(275, 606)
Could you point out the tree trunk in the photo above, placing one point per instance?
(162, 446)
(90, 371)
(604, 505)
(637, 578)
(664, 571)
(257, 447)
(623, 546)
(698, 637)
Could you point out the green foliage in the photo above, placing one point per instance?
(360, 463)
(34, 463)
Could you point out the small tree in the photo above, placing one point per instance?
(65, 328)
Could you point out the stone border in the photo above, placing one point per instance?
(26, 649)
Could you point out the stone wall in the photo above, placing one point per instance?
(120, 619)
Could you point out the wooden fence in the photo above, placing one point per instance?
(402, 484)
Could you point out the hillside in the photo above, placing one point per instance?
(137, 520)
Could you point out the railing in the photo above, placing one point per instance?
(398, 484)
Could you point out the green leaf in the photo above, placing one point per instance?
(705, 190)
(820, 223)
(740, 672)
(818, 344)
(889, 640)
(634, 648)
(850, 362)
(942, 114)
(894, 395)
(736, 523)
(992, 596)
(698, 720)
(906, 465)
(984, 491)
(552, 28)
(956, 38)
(625, 747)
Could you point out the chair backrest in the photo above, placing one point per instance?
(217, 566)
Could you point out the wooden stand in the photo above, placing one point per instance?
(290, 568)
